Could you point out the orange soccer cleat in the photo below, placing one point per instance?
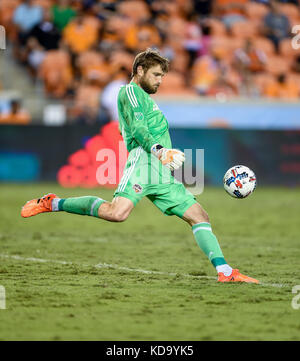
(235, 276)
(36, 206)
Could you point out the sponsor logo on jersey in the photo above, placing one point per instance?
(139, 115)
(137, 188)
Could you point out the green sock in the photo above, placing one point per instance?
(86, 206)
(209, 244)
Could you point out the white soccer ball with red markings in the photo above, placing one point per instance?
(239, 181)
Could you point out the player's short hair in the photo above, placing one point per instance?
(149, 58)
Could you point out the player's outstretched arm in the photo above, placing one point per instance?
(171, 158)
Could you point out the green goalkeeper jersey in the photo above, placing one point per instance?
(140, 120)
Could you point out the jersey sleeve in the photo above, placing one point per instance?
(137, 117)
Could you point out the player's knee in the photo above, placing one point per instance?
(120, 216)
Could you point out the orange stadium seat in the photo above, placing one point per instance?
(290, 10)
(244, 29)
(174, 84)
(134, 10)
(277, 64)
(87, 96)
(89, 58)
(262, 80)
(221, 46)
(286, 49)
(217, 27)
(56, 72)
(92, 65)
(140, 37)
(256, 10)
(236, 43)
(81, 38)
(7, 8)
(45, 4)
(295, 77)
(121, 58)
(264, 45)
(288, 91)
(176, 27)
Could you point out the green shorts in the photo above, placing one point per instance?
(144, 175)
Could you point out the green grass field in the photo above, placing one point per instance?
(69, 277)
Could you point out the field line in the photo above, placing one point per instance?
(120, 268)
(102, 265)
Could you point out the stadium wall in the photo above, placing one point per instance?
(35, 153)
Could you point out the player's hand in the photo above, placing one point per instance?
(171, 158)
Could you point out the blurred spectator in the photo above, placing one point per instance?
(46, 32)
(62, 13)
(104, 9)
(276, 26)
(205, 40)
(282, 88)
(205, 73)
(203, 7)
(84, 46)
(25, 17)
(94, 66)
(142, 36)
(80, 34)
(109, 95)
(16, 115)
(86, 102)
(36, 55)
(230, 11)
(192, 39)
(248, 59)
(56, 72)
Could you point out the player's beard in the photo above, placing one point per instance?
(147, 87)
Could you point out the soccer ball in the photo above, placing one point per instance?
(239, 181)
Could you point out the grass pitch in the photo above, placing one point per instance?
(70, 277)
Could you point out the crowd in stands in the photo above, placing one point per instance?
(83, 50)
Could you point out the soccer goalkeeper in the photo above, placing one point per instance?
(148, 169)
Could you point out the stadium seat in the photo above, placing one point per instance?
(87, 96)
(286, 49)
(134, 10)
(140, 37)
(290, 10)
(277, 64)
(244, 29)
(56, 72)
(217, 27)
(262, 80)
(45, 4)
(255, 10)
(89, 58)
(81, 38)
(174, 84)
(264, 44)
(221, 46)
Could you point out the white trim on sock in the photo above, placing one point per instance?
(54, 204)
(94, 205)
